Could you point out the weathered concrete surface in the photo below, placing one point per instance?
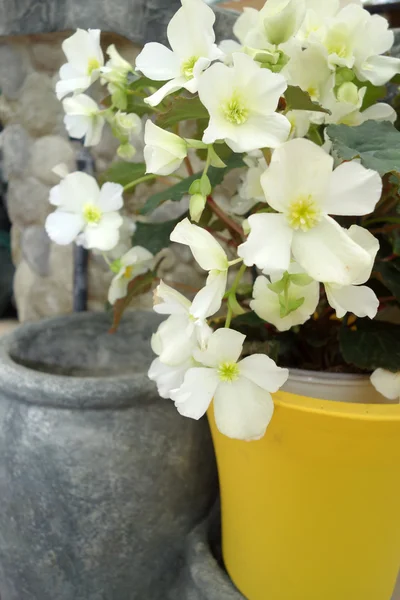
(100, 479)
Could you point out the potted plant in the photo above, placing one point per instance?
(309, 476)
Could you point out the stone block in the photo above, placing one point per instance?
(47, 152)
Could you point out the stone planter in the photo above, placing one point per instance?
(100, 479)
(203, 576)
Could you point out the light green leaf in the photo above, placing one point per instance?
(296, 99)
(376, 143)
(234, 305)
(182, 109)
(123, 172)
(215, 159)
(198, 144)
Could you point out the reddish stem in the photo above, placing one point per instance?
(230, 223)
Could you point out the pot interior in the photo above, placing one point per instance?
(80, 345)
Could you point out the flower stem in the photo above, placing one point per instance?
(136, 182)
(230, 223)
(232, 292)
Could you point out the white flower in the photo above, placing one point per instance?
(164, 151)
(356, 298)
(300, 185)
(250, 190)
(211, 257)
(135, 262)
(116, 70)
(82, 119)
(126, 232)
(191, 37)
(183, 331)
(345, 107)
(309, 70)
(129, 123)
(387, 383)
(275, 24)
(168, 377)
(85, 59)
(242, 101)
(300, 120)
(272, 305)
(82, 208)
(243, 406)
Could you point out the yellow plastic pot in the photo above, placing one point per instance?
(312, 510)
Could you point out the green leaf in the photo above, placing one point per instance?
(371, 345)
(376, 143)
(154, 236)
(138, 82)
(123, 172)
(300, 279)
(390, 272)
(175, 192)
(290, 306)
(139, 285)
(182, 109)
(137, 105)
(296, 99)
(395, 79)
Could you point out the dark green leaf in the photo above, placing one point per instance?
(141, 82)
(178, 190)
(182, 109)
(376, 143)
(296, 99)
(371, 344)
(123, 172)
(390, 272)
(395, 79)
(139, 285)
(154, 236)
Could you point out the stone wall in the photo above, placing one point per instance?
(34, 140)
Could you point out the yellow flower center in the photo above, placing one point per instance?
(313, 92)
(188, 66)
(303, 213)
(128, 272)
(92, 214)
(337, 42)
(228, 371)
(235, 111)
(93, 64)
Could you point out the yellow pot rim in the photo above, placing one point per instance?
(334, 408)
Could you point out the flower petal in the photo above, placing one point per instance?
(63, 227)
(83, 46)
(354, 190)
(136, 256)
(298, 168)
(158, 62)
(206, 250)
(168, 301)
(190, 31)
(105, 235)
(118, 289)
(268, 243)
(175, 340)
(193, 398)
(379, 69)
(77, 189)
(368, 242)
(261, 131)
(242, 409)
(386, 383)
(167, 378)
(359, 300)
(263, 371)
(169, 88)
(209, 299)
(110, 198)
(327, 253)
(224, 345)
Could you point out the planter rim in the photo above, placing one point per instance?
(63, 391)
(347, 379)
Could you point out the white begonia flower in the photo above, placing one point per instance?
(85, 59)
(308, 69)
(191, 36)
(168, 377)
(242, 101)
(184, 330)
(164, 151)
(356, 298)
(266, 302)
(387, 383)
(345, 107)
(82, 119)
(276, 23)
(211, 257)
(136, 261)
(301, 186)
(82, 208)
(116, 70)
(300, 120)
(129, 123)
(126, 232)
(243, 405)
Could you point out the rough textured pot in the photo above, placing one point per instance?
(100, 479)
(203, 576)
(311, 510)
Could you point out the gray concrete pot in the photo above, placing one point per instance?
(203, 576)
(100, 479)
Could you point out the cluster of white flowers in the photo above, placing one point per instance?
(290, 192)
